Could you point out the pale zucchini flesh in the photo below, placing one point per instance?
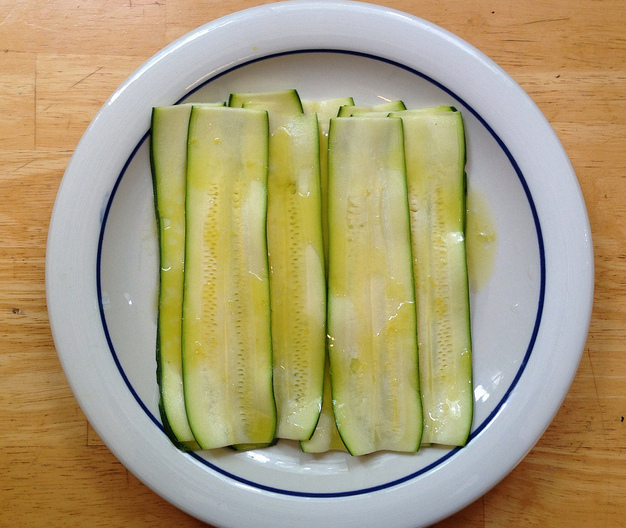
(226, 340)
(371, 299)
(435, 156)
(296, 258)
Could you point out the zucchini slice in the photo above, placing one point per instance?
(325, 111)
(389, 106)
(281, 105)
(435, 156)
(371, 298)
(168, 156)
(168, 159)
(226, 338)
(296, 258)
(297, 279)
(326, 437)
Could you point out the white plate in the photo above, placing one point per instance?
(529, 322)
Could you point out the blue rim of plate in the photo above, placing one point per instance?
(477, 430)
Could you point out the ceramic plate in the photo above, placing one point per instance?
(530, 314)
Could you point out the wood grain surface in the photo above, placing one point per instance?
(60, 61)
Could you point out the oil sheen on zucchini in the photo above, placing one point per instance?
(371, 299)
(435, 157)
(226, 339)
(296, 258)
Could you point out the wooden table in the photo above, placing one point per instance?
(59, 61)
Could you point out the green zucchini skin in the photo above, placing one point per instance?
(296, 258)
(435, 153)
(226, 338)
(371, 299)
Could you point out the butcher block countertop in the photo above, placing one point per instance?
(61, 60)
